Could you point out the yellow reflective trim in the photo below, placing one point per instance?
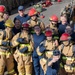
(10, 72)
(21, 54)
(26, 45)
(61, 65)
(64, 58)
(2, 53)
(28, 74)
(5, 53)
(21, 73)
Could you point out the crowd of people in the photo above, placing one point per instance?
(29, 47)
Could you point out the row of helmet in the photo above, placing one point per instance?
(33, 12)
(64, 36)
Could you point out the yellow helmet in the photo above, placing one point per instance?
(9, 23)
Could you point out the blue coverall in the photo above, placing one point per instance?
(37, 39)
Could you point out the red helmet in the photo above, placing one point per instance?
(53, 18)
(32, 12)
(25, 25)
(48, 33)
(65, 36)
(2, 8)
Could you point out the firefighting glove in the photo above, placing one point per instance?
(23, 50)
(5, 43)
(56, 52)
(42, 49)
(20, 40)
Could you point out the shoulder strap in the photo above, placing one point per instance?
(62, 47)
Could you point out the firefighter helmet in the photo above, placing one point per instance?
(9, 23)
(48, 33)
(2, 8)
(25, 25)
(65, 37)
(32, 12)
(53, 18)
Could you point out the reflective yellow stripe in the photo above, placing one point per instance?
(10, 72)
(28, 74)
(26, 45)
(64, 58)
(61, 65)
(5, 53)
(21, 73)
(21, 54)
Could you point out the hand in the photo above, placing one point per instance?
(24, 50)
(55, 59)
(20, 40)
(5, 43)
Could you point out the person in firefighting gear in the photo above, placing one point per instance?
(2, 10)
(34, 20)
(6, 55)
(23, 53)
(37, 38)
(53, 26)
(45, 51)
(67, 65)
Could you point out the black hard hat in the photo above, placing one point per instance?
(56, 52)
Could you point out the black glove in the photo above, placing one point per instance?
(25, 49)
(20, 40)
(5, 43)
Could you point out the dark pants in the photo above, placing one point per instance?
(51, 71)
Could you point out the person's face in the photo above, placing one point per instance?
(25, 29)
(63, 20)
(17, 24)
(65, 43)
(49, 38)
(6, 16)
(68, 30)
(34, 17)
(37, 30)
(21, 12)
(1, 14)
(54, 23)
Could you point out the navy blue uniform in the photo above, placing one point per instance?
(2, 26)
(23, 19)
(15, 31)
(37, 39)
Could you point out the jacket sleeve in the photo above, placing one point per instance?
(14, 42)
(39, 49)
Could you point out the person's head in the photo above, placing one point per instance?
(65, 38)
(48, 35)
(2, 10)
(53, 20)
(6, 16)
(37, 29)
(63, 20)
(25, 26)
(17, 23)
(21, 10)
(33, 14)
(68, 30)
(9, 25)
